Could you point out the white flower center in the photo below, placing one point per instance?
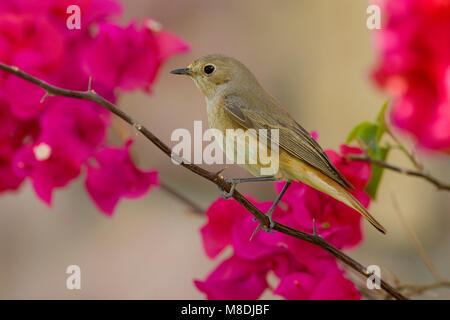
(42, 151)
(153, 25)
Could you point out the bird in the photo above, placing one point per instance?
(236, 100)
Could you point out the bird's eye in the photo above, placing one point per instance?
(209, 69)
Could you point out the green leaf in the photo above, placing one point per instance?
(370, 134)
(367, 133)
(381, 118)
(381, 121)
(359, 131)
(377, 173)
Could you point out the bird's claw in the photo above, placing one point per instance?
(227, 195)
(270, 227)
(264, 228)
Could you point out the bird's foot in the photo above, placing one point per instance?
(268, 229)
(227, 195)
(236, 181)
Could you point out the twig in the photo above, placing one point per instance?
(124, 136)
(415, 239)
(193, 206)
(415, 289)
(410, 156)
(217, 179)
(440, 185)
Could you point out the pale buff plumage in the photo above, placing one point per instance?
(235, 99)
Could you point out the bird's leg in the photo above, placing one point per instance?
(235, 181)
(270, 212)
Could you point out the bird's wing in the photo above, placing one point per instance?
(293, 138)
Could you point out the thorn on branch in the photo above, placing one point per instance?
(90, 84)
(47, 94)
(218, 173)
(137, 128)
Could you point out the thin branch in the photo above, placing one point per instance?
(182, 198)
(164, 186)
(216, 178)
(415, 240)
(410, 155)
(440, 185)
(415, 289)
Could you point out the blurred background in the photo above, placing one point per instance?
(313, 56)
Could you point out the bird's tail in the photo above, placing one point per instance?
(355, 204)
(296, 170)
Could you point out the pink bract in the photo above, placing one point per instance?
(138, 54)
(413, 66)
(305, 271)
(52, 141)
(115, 176)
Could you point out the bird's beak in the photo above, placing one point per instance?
(185, 71)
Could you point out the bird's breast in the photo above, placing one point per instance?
(217, 116)
(239, 145)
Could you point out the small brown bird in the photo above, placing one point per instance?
(235, 100)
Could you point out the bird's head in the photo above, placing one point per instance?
(214, 72)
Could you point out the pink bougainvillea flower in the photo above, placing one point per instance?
(296, 286)
(252, 260)
(34, 45)
(243, 275)
(24, 106)
(304, 286)
(48, 167)
(305, 271)
(71, 131)
(12, 134)
(30, 42)
(56, 11)
(235, 279)
(229, 224)
(92, 11)
(138, 54)
(221, 216)
(335, 288)
(51, 141)
(76, 125)
(262, 244)
(115, 176)
(414, 68)
(24, 6)
(335, 221)
(356, 172)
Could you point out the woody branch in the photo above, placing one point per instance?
(439, 184)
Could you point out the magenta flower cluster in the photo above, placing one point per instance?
(305, 271)
(52, 142)
(414, 68)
